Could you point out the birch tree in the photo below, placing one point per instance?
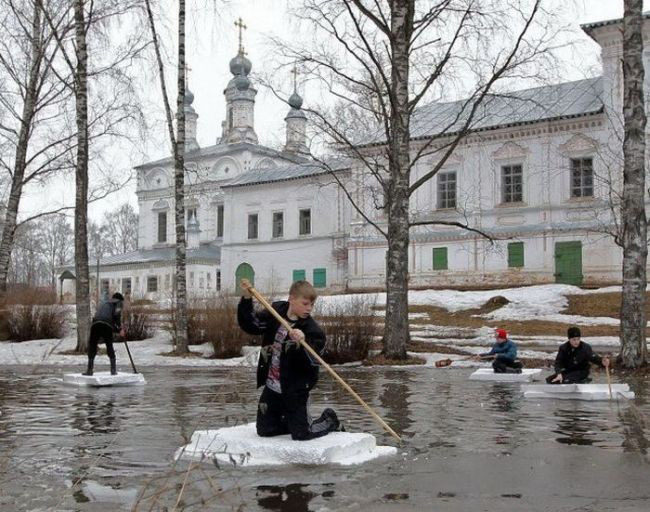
(633, 214)
(380, 60)
(34, 100)
(177, 141)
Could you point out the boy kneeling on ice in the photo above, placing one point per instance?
(285, 369)
(504, 352)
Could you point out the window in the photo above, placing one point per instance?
(305, 222)
(162, 227)
(447, 190)
(219, 221)
(190, 213)
(582, 177)
(191, 280)
(137, 284)
(511, 184)
(252, 226)
(516, 254)
(298, 275)
(320, 278)
(167, 282)
(218, 280)
(278, 224)
(126, 286)
(152, 284)
(440, 258)
(201, 282)
(208, 279)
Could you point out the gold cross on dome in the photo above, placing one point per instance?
(240, 24)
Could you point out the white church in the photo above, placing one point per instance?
(537, 173)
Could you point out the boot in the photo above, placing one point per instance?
(113, 366)
(89, 370)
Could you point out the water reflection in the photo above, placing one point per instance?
(289, 498)
(575, 427)
(395, 400)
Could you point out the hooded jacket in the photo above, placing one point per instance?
(298, 372)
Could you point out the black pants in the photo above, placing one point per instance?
(100, 333)
(502, 365)
(278, 414)
(575, 377)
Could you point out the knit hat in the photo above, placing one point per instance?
(573, 332)
(502, 334)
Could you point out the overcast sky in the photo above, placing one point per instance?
(212, 42)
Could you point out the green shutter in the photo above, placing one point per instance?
(320, 278)
(298, 275)
(440, 258)
(516, 254)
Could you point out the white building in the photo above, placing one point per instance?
(537, 172)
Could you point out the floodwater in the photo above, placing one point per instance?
(467, 446)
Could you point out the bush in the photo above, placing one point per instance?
(28, 295)
(137, 322)
(350, 327)
(211, 321)
(34, 322)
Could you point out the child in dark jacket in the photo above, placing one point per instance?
(106, 322)
(504, 352)
(285, 369)
(573, 360)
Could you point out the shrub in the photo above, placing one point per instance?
(350, 326)
(213, 321)
(34, 322)
(29, 295)
(137, 322)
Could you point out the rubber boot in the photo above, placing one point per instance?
(113, 366)
(89, 370)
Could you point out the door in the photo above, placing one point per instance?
(568, 262)
(244, 271)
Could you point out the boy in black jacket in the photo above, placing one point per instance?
(573, 359)
(107, 320)
(285, 369)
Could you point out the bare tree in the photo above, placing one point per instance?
(381, 60)
(177, 141)
(119, 230)
(56, 238)
(633, 215)
(35, 103)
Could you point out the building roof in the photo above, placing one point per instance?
(224, 149)
(286, 173)
(588, 27)
(210, 253)
(550, 102)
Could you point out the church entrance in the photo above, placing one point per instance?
(244, 271)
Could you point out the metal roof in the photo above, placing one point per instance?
(224, 149)
(285, 173)
(587, 27)
(559, 101)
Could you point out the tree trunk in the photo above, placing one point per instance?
(396, 328)
(179, 191)
(81, 181)
(24, 135)
(634, 224)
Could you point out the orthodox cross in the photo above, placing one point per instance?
(294, 72)
(240, 24)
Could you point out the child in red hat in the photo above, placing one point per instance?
(504, 353)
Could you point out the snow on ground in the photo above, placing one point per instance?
(145, 353)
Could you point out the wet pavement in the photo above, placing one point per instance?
(467, 446)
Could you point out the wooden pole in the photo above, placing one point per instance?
(609, 381)
(318, 358)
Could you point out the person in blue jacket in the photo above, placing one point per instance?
(504, 353)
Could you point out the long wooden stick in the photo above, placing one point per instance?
(609, 381)
(318, 358)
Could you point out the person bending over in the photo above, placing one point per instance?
(573, 359)
(285, 368)
(504, 352)
(106, 322)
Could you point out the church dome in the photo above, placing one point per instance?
(240, 65)
(295, 100)
(241, 82)
(189, 96)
